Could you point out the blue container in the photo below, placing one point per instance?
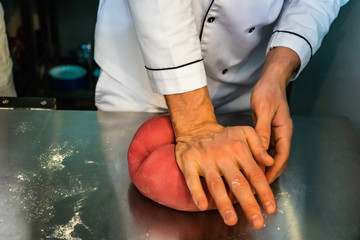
(68, 77)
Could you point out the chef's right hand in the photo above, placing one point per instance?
(205, 148)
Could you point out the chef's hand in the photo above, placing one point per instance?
(205, 148)
(270, 109)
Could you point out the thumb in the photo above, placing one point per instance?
(263, 129)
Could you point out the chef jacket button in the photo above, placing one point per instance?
(211, 19)
(251, 29)
(224, 71)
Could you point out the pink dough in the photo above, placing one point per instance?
(153, 168)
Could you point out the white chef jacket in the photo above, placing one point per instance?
(7, 88)
(148, 48)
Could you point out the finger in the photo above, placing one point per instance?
(282, 152)
(256, 178)
(243, 193)
(263, 127)
(257, 148)
(219, 194)
(193, 182)
(282, 145)
(259, 182)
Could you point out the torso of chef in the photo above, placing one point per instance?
(227, 54)
(6, 78)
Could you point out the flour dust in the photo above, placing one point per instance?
(39, 191)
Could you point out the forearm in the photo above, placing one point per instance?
(190, 110)
(280, 64)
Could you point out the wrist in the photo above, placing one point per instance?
(190, 111)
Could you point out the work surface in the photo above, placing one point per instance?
(63, 175)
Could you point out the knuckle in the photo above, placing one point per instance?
(190, 180)
(252, 131)
(238, 146)
(250, 207)
(291, 121)
(239, 184)
(264, 130)
(188, 154)
(260, 105)
(260, 154)
(291, 125)
(214, 184)
(249, 129)
(256, 176)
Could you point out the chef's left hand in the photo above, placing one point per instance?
(270, 109)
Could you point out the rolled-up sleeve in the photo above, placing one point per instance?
(170, 44)
(302, 26)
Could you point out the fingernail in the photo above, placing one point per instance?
(269, 206)
(230, 217)
(256, 221)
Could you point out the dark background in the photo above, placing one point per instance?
(43, 34)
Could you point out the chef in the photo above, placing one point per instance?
(195, 58)
(7, 88)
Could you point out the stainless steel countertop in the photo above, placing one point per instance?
(63, 175)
